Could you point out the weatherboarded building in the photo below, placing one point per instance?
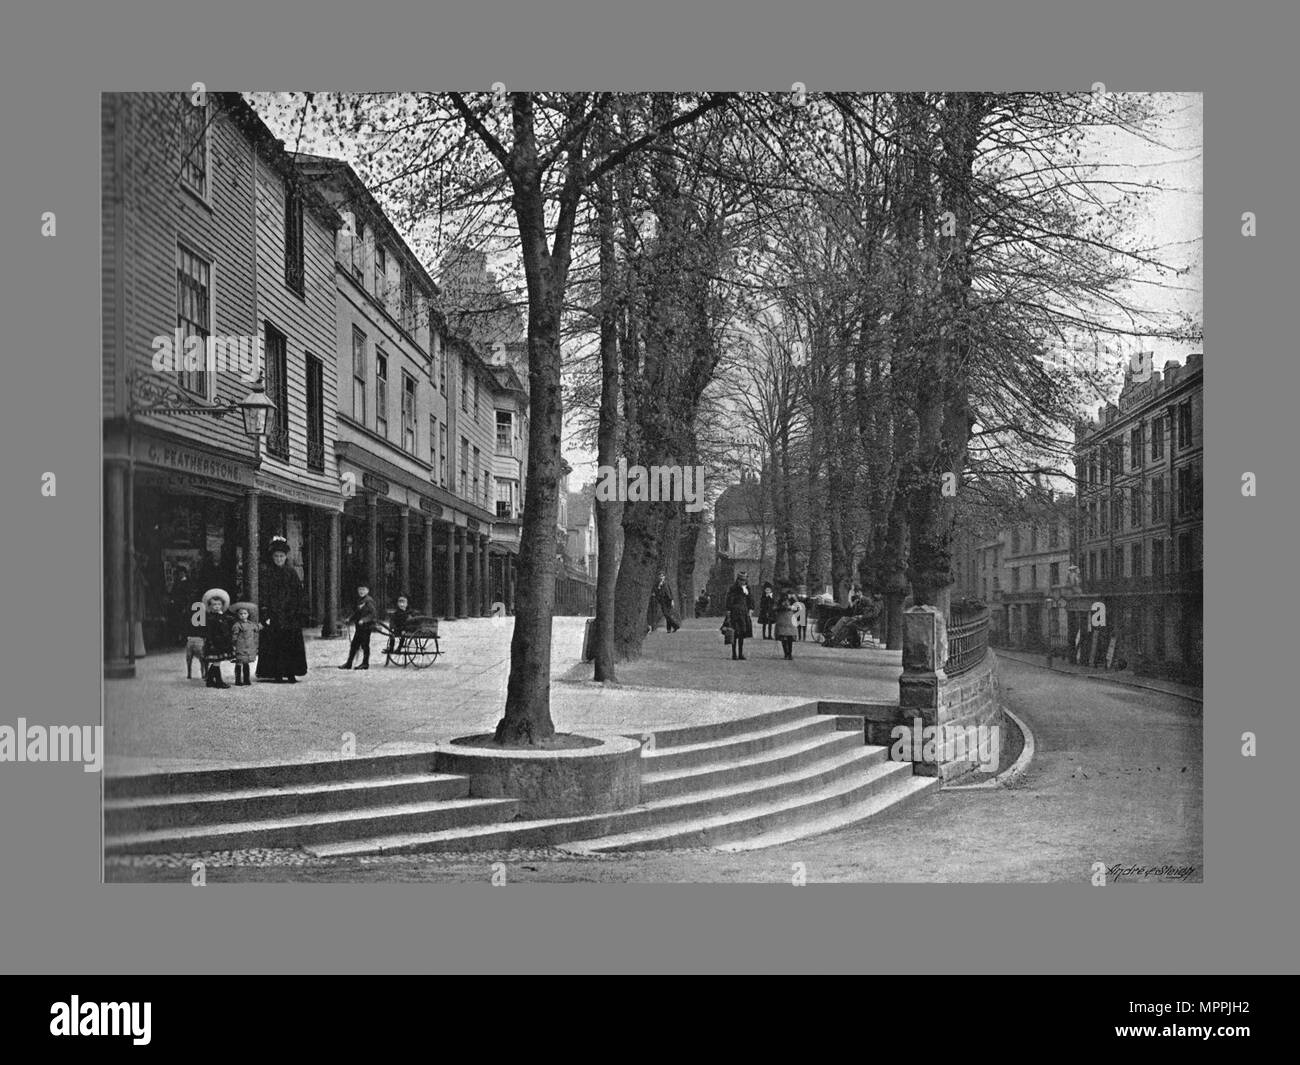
(210, 241)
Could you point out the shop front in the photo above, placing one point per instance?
(398, 540)
(187, 507)
(192, 518)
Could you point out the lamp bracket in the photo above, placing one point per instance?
(149, 395)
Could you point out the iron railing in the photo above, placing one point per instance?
(574, 595)
(968, 637)
(316, 454)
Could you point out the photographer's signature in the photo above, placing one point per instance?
(1118, 872)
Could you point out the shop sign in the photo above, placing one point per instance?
(430, 507)
(181, 484)
(375, 483)
(188, 462)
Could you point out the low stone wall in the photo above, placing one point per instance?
(955, 723)
(555, 783)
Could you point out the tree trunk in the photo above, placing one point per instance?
(527, 716)
(785, 502)
(642, 534)
(607, 435)
(688, 545)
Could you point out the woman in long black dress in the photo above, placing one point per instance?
(282, 655)
(739, 604)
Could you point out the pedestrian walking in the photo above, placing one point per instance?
(663, 599)
(217, 640)
(702, 605)
(244, 639)
(363, 616)
(767, 611)
(738, 606)
(785, 623)
(282, 655)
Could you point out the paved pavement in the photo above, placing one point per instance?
(696, 657)
(161, 720)
(1116, 676)
(1116, 779)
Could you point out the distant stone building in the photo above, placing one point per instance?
(1139, 522)
(582, 551)
(476, 305)
(744, 537)
(1031, 600)
(1021, 570)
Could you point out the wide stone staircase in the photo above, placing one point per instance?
(740, 784)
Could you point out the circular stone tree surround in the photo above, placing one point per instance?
(567, 782)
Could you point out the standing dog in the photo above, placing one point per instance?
(193, 652)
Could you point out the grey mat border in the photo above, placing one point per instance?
(55, 60)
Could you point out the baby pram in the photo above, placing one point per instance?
(847, 632)
(844, 626)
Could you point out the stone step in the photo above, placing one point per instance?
(269, 775)
(312, 828)
(739, 745)
(712, 775)
(852, 764)
(691, 735)
(898, 795)
(885, 781)
(156, 812)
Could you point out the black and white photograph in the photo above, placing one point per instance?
(510, 486)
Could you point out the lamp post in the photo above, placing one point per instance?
(146, 394)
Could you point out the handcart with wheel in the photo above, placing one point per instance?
(416, 645)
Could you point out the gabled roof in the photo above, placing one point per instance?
(242, 113)
(326, 168)
(508, 379)
(580, 508)
(740, 503)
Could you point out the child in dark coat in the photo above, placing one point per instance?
(767, 611)
(363, 617)
(397, 624)
(218, 642)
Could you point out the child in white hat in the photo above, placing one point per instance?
(218, 642)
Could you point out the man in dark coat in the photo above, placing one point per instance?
(182, 599)
(282, 655)
(702, 605)
(661, 601)
(738, 606)
(364, 617)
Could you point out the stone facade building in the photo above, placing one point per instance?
(1021, 570)
(1139, 525)
(1031, 600)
